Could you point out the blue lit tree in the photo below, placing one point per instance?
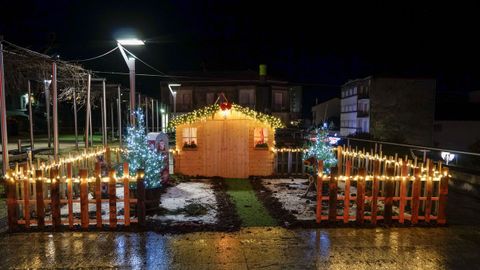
(321, 149)
(140, 155)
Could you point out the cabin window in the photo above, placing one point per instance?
(260, 137)
(189, 137)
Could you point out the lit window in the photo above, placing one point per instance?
(260, 137)
(190, 137)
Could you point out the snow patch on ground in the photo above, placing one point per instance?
(179, 196)
(290, 192)
(92, 207)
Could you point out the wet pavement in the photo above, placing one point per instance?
(453, 247)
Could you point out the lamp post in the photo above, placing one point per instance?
(130, 61)
(174, 95)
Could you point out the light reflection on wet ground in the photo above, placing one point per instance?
(254, 248)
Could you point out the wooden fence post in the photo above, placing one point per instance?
(55, 198)
(289, 163)
(40, 200)
(389, 190)
(339, 160)
(375, 190)
(112, 198)
(98, 194)
(319, 192)
(26, 199)
(141, 197)
(70, 194)
(84, 217)
(403, 192)
(126, 194)
(11, 184)
(442, 204)
(346, 202)
(108, 157)
(429, 191)
(415, 196)
(362, 173)
(332, 202)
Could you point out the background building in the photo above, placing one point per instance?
(328, 111)
(392, 109)
(457, 121)
(248, 89)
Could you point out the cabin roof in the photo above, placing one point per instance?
(205, 112)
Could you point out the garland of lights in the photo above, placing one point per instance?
(140, 155)
(210, 111)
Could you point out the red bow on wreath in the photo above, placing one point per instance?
(225, 106)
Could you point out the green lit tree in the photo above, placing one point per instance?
(140, 155)
(321, 149)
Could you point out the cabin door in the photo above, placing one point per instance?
(226, 153)
(235, 149)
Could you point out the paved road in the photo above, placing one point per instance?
(453, 247)
(254, 248)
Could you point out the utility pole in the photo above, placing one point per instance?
(3, 113)
(119, 112)
(88, 112)
(30, 114)
(104, 114)
(55, 111)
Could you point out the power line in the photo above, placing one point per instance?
(96, 57)
(127, 74)
(27, 50)
(204, 79)
(145, 63)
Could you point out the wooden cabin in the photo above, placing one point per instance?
(232, 143)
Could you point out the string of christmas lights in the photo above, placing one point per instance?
(209, 112)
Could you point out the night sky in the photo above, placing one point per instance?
(315, 45)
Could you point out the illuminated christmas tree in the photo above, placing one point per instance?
(140, 155)
(321, 149)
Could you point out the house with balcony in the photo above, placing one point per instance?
(389, 108)
(248, 89)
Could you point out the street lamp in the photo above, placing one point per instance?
(447, 156)
(130, 61)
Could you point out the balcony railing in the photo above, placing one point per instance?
(363, 113)
(363, 96)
